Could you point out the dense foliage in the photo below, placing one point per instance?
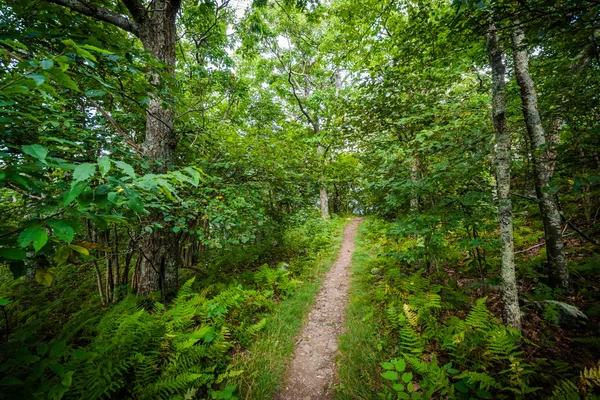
(162, 163)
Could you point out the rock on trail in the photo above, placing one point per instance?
(312, 370)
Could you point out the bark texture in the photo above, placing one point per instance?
(158, 33)
(512, 312)
(323, 197)
(324, 202)
(415, 166)
(543, 165)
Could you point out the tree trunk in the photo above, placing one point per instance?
(415, 166)
(542, 166)
(323, 197)
(155, 25)
(324, 202)
(512, 312)
(158, 270)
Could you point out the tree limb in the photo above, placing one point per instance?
(137, 10)
(99, 13)
(114, 123)
(583, 235)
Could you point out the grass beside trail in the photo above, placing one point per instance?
(358, 359)
(264, 363)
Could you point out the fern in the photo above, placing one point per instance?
(590, 378)
(566, 390)
(411, 316)
(593, 342)
(410, 340)
(479, 317)
(485, 381)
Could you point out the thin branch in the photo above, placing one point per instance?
(583, 235)
(114, 123)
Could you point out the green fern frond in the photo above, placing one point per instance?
(479, 317)
(593, 342)
(485, 381)
(566, 390)
(410, 340)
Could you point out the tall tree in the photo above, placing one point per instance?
(155, 25)
(543, 166)
(503, 156)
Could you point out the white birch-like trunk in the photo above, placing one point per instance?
(323, 197)
(543, 166)
(414, 177)
(512, 312)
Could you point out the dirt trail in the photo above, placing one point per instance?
(312, 371)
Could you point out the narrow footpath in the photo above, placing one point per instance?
(312, 371)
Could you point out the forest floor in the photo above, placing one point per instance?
(312, 371)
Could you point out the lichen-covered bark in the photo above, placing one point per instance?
(415, 166)
(323, 197)
(324, 202)
(543, 165)
(512, 312)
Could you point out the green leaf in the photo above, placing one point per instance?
(4, 302)
(410, 387)
(461, 387)
(37, 78)
(36, 234)
(400, 365)
(390, 375)
(79, 50)
(36, 151)
(407, 377)
(387, 365)
(97, 49)
(80, 249)
(13, 253)
(83, 172)
(74, 192)
(195, 175)
(41, 348)
(94, 93)
(398, 387)
(104, 165)
(63, 79)
(46, 64)
(57, 368)
(126, 168)
(403, 395)
(62, 255)
(58, 349)
(136, 204)
(62, 229)
(43, 277)
(68, 379)
(10, 381)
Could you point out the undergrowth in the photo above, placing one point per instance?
(184, 348)
(418, 335)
